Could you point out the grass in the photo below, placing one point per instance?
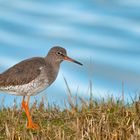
(87, 120)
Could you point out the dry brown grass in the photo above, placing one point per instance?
(91, 120)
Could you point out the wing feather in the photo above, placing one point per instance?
(23, 72)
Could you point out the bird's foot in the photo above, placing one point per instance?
(32, 126)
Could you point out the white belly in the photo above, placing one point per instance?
(32, 88)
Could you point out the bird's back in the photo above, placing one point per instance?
(23, 72)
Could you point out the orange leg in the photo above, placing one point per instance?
(26, 108)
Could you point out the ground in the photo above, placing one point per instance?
(89, 120)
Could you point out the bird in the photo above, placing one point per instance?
(31, 76)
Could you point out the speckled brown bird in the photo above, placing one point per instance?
(31, 76)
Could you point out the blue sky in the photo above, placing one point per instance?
(104, 35)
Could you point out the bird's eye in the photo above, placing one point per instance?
(59, 53)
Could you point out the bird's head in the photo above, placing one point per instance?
(58, 54)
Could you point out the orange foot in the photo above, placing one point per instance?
(32, 126)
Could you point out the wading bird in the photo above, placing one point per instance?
(31, 76)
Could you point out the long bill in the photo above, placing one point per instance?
(72, 60)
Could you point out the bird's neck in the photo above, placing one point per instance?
(51, 61)
(53, 69)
